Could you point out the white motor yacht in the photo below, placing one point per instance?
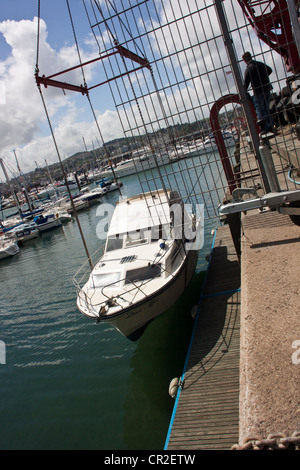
(200, 147)
(149, 259)
(24, 232)
(8, 248)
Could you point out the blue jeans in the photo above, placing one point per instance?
(261, 102)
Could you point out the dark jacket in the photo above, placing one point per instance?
(257, 73)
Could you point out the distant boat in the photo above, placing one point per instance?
(200, 147)
(8, 248)
(91, 196)
(137, 164)
(79, 205)
(11, 223)
(52, 189)
(59, 212)
(7, 203)
(24, 232)
(146, 265)
(63, 206)
(108, 185)
(47, 222)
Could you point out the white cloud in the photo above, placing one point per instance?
(23, 122)
(21, 98)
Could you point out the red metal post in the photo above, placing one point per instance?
(214, 121)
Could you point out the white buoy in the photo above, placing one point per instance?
(173, 387)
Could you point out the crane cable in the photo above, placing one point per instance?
(55, 143)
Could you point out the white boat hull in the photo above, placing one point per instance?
(8, 249)
(50, 225)
(65, 216)
(29, 236)
(132, 322)
(200, 148)
(50, 190)
(79, 206)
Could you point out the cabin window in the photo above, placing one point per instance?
(105, 279)
(161, 232)
(137, 237)
(143, 274)
(114, 243)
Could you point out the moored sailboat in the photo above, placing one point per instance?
(46, 222)
(24, 232)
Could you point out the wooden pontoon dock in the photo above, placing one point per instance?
(207, 414)
(241, 379)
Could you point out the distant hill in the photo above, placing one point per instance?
(115, 149)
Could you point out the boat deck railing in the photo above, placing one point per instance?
(131, 288)
(83, 273)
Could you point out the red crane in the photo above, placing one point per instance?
(272, 23)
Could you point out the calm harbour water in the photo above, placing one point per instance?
(69, 383)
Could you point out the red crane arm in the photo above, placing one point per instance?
(272, 23)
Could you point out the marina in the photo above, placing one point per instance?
(80, 362)
(152, 292)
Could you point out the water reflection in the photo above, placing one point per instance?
(158, 357)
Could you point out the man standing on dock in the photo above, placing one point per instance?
(257, 73)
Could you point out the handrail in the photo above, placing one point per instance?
(125, 290)
(133, 287)
(83, 266)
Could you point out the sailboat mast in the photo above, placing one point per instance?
(25, 191)
(8, 182)
(51, 180)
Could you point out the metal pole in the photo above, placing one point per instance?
(268, 162)
(295, 22)
(10, 186)
(241, 89)
(66, 180)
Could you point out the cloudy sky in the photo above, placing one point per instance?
(23, 124)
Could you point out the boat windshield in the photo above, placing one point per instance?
(115, 242)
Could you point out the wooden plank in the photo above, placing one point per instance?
(207, 412)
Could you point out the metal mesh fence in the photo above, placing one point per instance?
(176, 85)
